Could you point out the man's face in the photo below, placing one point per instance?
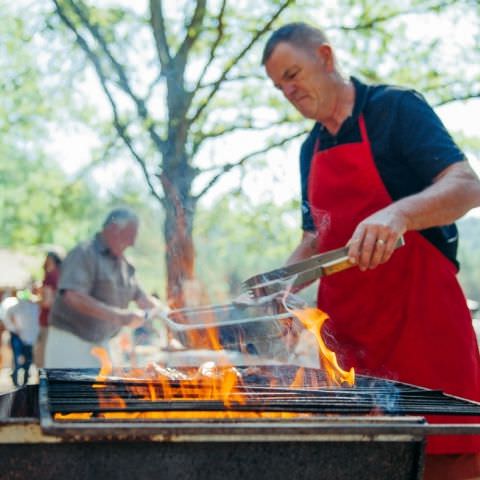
(121, 238)
(304, 78)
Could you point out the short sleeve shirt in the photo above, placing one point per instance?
(410, 147)
(91, 269)
(22, 320)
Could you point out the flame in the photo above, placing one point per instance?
(313, 320)
(105, 370)
(177, 415)
(105, 362)
(210, 382)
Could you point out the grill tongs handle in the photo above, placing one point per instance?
(298, 275)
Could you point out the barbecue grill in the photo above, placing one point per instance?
(373, 430)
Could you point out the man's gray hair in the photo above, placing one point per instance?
(298, 34)
(121, 217)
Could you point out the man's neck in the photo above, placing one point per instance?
(343, 107)
(107, 242)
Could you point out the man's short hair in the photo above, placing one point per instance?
(121, 217)
(298, 34)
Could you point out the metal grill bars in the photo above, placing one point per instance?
(75, 393)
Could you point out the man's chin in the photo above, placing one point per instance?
(306, 113)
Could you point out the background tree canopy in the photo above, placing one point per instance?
(184, 117)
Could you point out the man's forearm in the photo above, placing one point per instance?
(306, 248)
(454, 193)
(90, 306)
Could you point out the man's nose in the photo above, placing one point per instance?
(288, 90)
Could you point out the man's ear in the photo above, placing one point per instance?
(325, 52)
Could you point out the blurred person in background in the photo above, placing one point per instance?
(8, 299)
(2, 330)
(97, 284)
(20, 316)
(51, 268)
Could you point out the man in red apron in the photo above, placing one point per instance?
(379, 164)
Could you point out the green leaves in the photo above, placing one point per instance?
(184, 121)
(236, 239)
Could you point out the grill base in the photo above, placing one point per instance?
(213, 460)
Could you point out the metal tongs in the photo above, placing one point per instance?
(260, 292)
(298, 275)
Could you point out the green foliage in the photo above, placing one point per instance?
(23, 109)
(148, 255)
(38, 205)
(46, 80)
(236, 239)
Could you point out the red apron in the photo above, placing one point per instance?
(405, 320)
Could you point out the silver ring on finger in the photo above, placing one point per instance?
(380, 242)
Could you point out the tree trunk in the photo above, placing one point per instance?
(178, 227)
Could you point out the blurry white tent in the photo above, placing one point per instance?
(16, 270)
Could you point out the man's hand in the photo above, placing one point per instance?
(454, 192)
(133, 318)
(374, 239)
(158, 312)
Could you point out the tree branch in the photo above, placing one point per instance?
(229, 166)
(119, 126)
(152, 86)
(449, 98)
(399, 13)
(235, 60)
(104, 157)
(215, 45)
(122, 77)
(193, 32)
(247, 126)
(158, 26)
(457, 98)
(239, 78)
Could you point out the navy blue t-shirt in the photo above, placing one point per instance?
(410, 147)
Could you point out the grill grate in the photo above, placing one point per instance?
(73, 391)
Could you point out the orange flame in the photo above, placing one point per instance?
(106, 370)
(313, 320)
(210, 382)
(105, 362)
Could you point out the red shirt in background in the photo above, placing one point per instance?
(51, 281)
